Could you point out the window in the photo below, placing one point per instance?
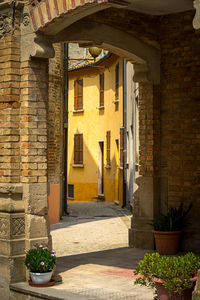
(78, 94)
(121, 147)
(78, 149)
(108, 148)
(101, 90)
(117, 82)
(71, 191)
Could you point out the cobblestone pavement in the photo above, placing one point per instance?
(94, 259)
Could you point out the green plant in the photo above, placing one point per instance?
(175, 271)
(174, 220)
(40, 259)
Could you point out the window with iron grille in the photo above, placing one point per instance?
(101, 90)
(78, 149)
(108, 148)
(78, 94)
(71, 191)
(117, 81)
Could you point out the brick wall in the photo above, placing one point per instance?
(9, 103)
(180, 113)
(55, 116)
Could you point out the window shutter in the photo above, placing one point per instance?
(75, 95)
(108, 147)
(117, 82)
(121, 147)
(102, 89)
(76, 152)
(80, 94)
(80, 148)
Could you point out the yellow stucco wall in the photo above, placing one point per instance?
(93, 124)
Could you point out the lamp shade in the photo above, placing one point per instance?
(95, 51)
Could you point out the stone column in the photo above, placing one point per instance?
(12, 221)
(146, 198)
(33, 149)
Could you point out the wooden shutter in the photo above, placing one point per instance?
(80, 94)
(75, 95)
(108, 147)
(121, 147)
(101, 89)
(80, 149)
(76, 147)
(117, 82)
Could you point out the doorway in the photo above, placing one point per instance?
(100, 169)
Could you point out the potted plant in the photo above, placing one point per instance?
(173, 276)
(40, 262)
(168, 228)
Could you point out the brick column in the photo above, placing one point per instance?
(12, 221)
(33, 131)
(146, 198)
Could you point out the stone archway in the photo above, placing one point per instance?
(25, 190)
(25, 49)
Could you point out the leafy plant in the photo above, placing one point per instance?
(174, 220)
(175, 271)
(40, 259)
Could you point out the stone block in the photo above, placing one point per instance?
(36, 226)
(35, 198)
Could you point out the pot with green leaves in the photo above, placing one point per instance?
(40, 261)
(168, 228)
(173, 277)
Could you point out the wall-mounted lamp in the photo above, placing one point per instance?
(95, 51)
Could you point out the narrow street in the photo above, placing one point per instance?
(94, 259)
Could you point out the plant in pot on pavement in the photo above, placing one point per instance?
(173, 276)
(40, 262)
(168, 228)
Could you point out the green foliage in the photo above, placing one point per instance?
(174, 220)
(40, 259)
(175, 271)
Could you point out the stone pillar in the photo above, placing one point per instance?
(12, 220)
(33, 132)
(146, 198)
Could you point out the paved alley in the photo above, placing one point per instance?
(94, 259)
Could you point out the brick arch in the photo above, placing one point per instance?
(45, 13)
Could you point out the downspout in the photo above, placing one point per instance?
(65, 127)
(125, 131)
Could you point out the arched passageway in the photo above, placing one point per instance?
(169, 109)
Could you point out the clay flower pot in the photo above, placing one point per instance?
(163, 294)
(167, 242)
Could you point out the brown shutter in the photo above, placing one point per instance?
(80, 148)
(102, 89)
(75, 95)
(76, 146)
(121, 147)
(80, 94)
(108, 147)
(117, 82)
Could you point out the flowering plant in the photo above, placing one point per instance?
(40, 259)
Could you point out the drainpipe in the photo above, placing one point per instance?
(65, 127)
(125, 131)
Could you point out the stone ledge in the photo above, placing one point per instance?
(44, 293)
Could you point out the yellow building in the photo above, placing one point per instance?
(95, 133)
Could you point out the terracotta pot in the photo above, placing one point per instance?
(167, 242)
(164, 295)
